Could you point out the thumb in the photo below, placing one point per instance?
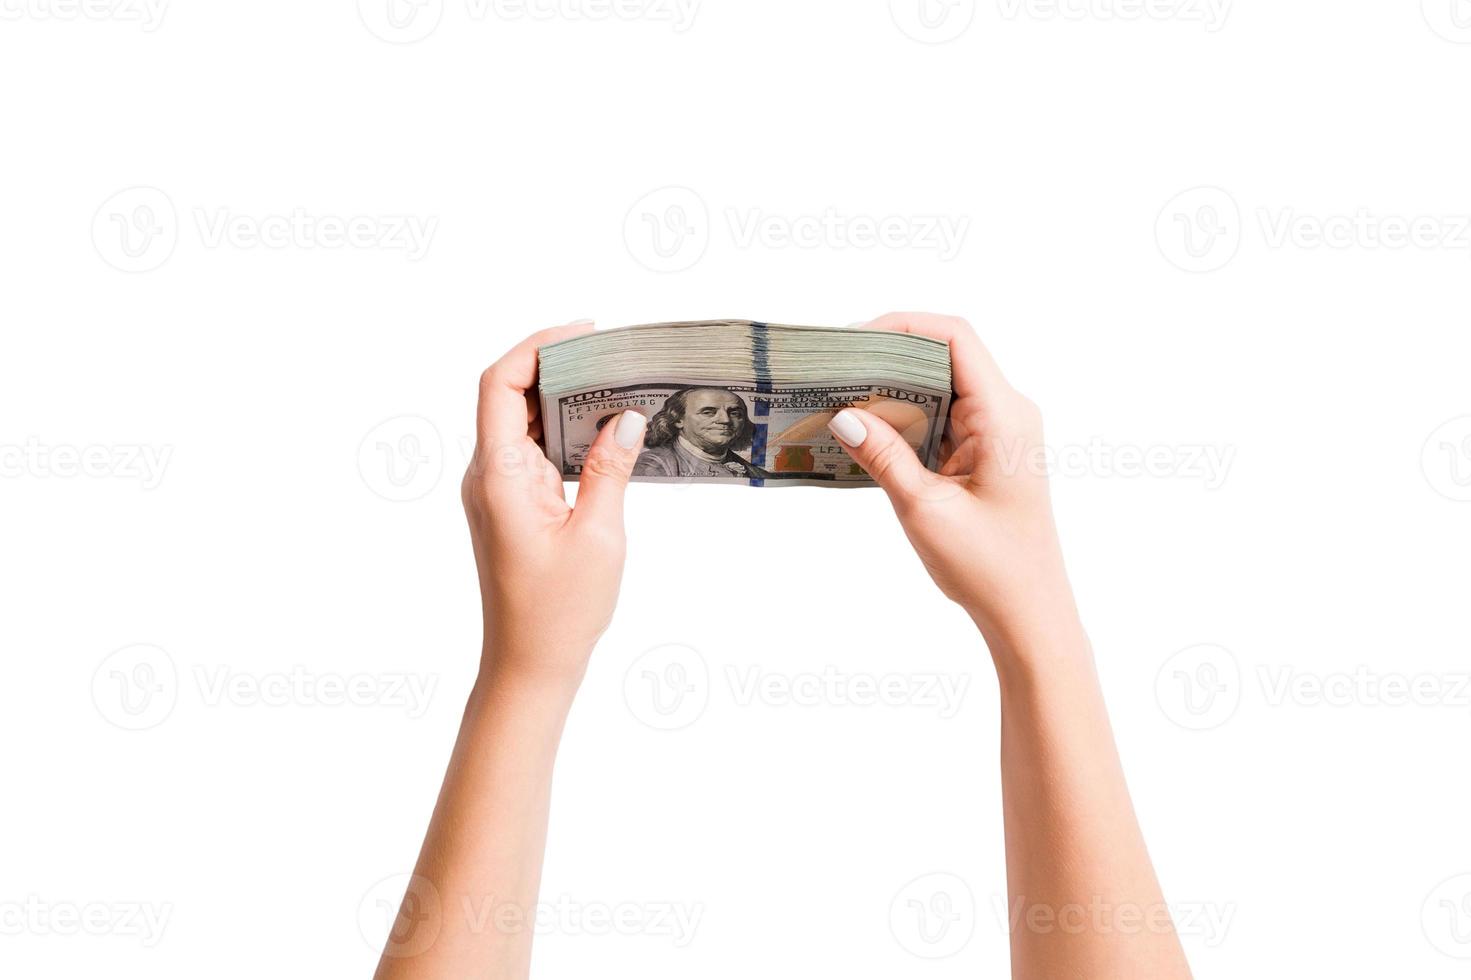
(607, 468)
(885, 456)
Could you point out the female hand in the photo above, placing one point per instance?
(548, 582)
(549, 573)
(982, 526)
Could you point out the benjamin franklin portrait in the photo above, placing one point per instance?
(697, 434)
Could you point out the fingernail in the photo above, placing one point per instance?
(849, 428)
(628, 428)
(580, 323)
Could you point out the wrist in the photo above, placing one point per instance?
(1036, 636)
(514, 723)
(540, 678)
(1040, 653)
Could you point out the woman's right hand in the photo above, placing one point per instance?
(983, 525)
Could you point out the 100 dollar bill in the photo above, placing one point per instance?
(759, 435)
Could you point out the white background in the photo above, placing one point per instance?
(309, 403)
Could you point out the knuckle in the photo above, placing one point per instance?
(493, 376)
(966, 424)
(475, 495)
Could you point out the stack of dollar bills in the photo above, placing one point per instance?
(736, 401)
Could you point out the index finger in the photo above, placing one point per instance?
(502, 415)
(973, 370)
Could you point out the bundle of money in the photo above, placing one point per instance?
(737, 401)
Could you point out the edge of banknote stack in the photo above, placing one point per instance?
(741, 401)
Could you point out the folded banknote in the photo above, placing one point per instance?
(737, 401)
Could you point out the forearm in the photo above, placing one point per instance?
(1084, 899)
(479, 870)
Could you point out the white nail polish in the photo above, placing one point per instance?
(580, 323)
(628, 428)
(849, 428)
